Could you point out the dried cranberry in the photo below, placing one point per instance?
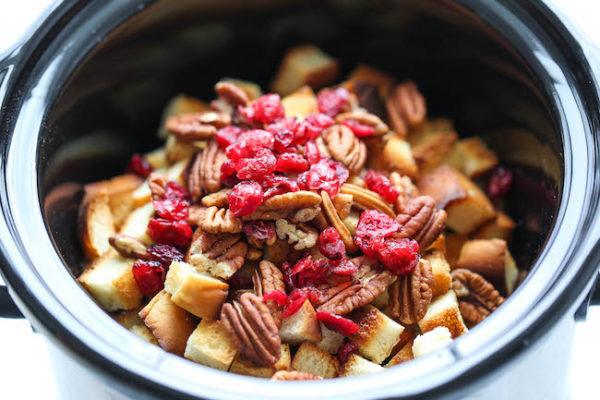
(174, 233)
(501, 180)
(345, 350)
(149, 276)
(228, 135)
(229, 174)
(164, 254)
(291, 163)
(139, 166)
(360, 130)
(171, 209)
(331, 244)
(277, 184)
(174, 190)
(371, 225)
(249, 143)
(284, 133)
(337, 323)
(265, 109)
(325, 175)
(333, 101)
(263, 163)
(295, 301)
(381, 185)
(312, 126)
(259, 230)
(277, 295)
(400, 256)
(308, 272)
(244, 198)
(312, 153)
(342, 267)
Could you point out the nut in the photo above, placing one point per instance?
(219, 220)
(421, 222)
(267, 277)
(261, 243)
(217, 199)
(345, 147)
(205, 174)
(367, 199)
(333, 217)
(128, 247)
(254, 254)
(303, 236)
(406, 190)
(343, 203)
(221, 254)
(365, 118)
(197, 126)
(157, 183)
(294, 376)
(406, 107)
(411, 294)
(284, 205)
(252, 329)
(231, 93)
(306, 214)
(196, 214)
(477, 298)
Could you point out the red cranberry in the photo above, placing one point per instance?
(312, 126)
(228, 135)
(500, 182)
(373, 224)
(291, 163)
(312, 153)
(360, 130)
(325, 175)
(295, 301)
(308, 272)
(259, 230)
(342, 267)
(174, 190)
(149, 276)
(263, 163)
(345, 350)
(173, 233)
(337, 323)
(331, 244)
(244, 198)
(277, 184)
(284, 133)
(400, 256)
(381, 185)
(164, 254)
(333, 101)
(265, 109)
(249, 143)
(139, 166)
(229, 174)
(277, 295)
(171, 209)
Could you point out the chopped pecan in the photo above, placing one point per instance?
(252, 329)
(345, 147)
(372, 281)
(231, 93)
(222, 255)
(406, 106)
(205, 174)
(128, 247)
(367, 199)
(261, 243)
(284, 375)
(157, 183)
(406, 190)
(303, 236)
(365, 118)
(198, 125)
(343, 203)
(217, 199)
(411, 294)
(305, 214)
(335, 220)
(267, 277)
(284, 205)
(196, 214)
(219, 220)
(477, 298)
(421, 222)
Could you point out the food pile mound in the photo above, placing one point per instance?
(299, 236)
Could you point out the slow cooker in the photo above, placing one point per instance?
(85, 89)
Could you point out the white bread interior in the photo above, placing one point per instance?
(378, 333)
(210, 344)
(310, 358)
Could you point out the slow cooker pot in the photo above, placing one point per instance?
(86, 87)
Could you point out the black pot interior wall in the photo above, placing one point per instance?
(111, 105)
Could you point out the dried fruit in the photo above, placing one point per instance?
(337, 323)
(139, 166)
(331, 244)
(373, 225)
(295, 301)
(249, 143)
(284, 133)
(312, 153)
(276, 295)
(164, 254)
(228, 135)
(149, 276)
(265, 109)
(381, 185)
(260, 231)
(174, 190)
(325, 175)
(359, 129)
(172, 209)
(254, 168)
(363, 123)
(309, 273)
(174, 233)
(345, 350)
(400, 256)
(331, 102)
(501, 179)
(291, 163)
(312, 126)
(244, 198)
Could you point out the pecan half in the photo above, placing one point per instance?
(127, 246)
(301, 236)
(231, 93)
(335, 220)
(411, 294)
(405, 107)
(294, 376)
(421, 222)
(406, 190)
(343, 203)
(156, 183)
(284, 205)
(222, 255)
(219, 220)
(198, 125)
(365, 118)
(345, 147)
(367, 199)
(252, 329)
(217, 199)
(267, 277)
(205, 174)
(372, 281)
(477, 298)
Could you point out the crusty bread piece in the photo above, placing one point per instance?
(110, 281)
(197, 292)
(178, 150)
(143, 333)
(398, 155)
(431, 341)
(96, 223)
(428, 128)
(243, 366)
(210, 344)
(157, 158)
(366, 73)
(356, 365)
(300, 103)
(443, 311)
(331, 341)
(454, 244)
(382, 300)
(301, 326)
(310, 358)
(432, 148)
(439, 244)
(136, 223)
(131, 321)
(304, 65)
(467, 206)
(441, 272)
(500, 227)
(174, 173)
(180, 104)
(403, 355)
(170, 325)
(474, 157)
(378, 334)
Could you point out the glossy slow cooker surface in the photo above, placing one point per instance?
(89, 88)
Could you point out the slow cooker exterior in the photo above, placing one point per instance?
(489, 362)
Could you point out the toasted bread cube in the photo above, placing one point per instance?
(178, 150)
(310, 358)
(120, 196)
(356, 365)
(439, 244)
(131, 321)
(366, 73)
(403, 355)
(419, 134)
(210, 344)
(331, 341)
(397, 154)
(301, 326)
(157, 158)
(441, 272)
(443, 311)
(304, 65)
(96, 223)
(454, 244)
(169, 324)
(475, 157)
(252, 90)
(300, 103)
(432, 149)
(381, 301)
(378, 334)
(110, 281)
(500, 227)
(197, 292)
(431, 341)
(143, 333)
(143, 194)
(243, 366)
(136, 223)
(466, 204)
(178, 105)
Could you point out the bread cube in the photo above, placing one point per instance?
(136, 223)
(197, 292)
(441, 272)
(366, 73)
(403, 355)
(304, 65)
(331, 340)
(300, 103)
(356, 365)
(210, 344)
(432, 149)
(378, 334)
(310, 358)
(454, 244)
(169, 324)
(397, 154)
(443, 311)
(178, 150)
(95, 222)
(111, 283)
(180, 104)
(475, 157)
(243, 366)
(466, 204)
(157, 158)
(302, 326)
(500, 227)
(439, 244)
(431, 341)
(131, 321)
